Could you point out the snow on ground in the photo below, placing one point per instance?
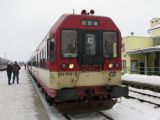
(52, 112)
(16, 101)
(131, 109)
(155, 80)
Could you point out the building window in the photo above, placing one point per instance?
(123, 47)
(124, 64)
(134, 65)
(156, 41)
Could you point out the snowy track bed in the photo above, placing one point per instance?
(145, 97)
(149, 92)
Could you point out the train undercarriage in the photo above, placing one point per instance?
(83, 100)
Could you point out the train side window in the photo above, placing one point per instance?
(69, 43)
(52, 48)
(110, 42)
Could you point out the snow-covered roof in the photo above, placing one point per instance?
(155, 27)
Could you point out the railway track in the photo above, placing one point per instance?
(145, 94)
(142, 100)
(66, 116)
(147, 86)
(106, 116)
(144, 97)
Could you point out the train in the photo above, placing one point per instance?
(78, 63)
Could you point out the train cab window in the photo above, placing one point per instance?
(52, 48)
(110, 41)
(69, 43)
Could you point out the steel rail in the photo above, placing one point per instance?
(104, 115)
(142, 100)
(66, 116)
(145, 94)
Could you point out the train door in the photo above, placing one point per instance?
(90, 48)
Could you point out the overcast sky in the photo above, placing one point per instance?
(24, 23)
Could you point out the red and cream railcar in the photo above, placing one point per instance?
(78, 64)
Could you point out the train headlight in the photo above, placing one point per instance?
(71, 66)
(110, 65)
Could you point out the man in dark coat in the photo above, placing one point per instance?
(16, 69)
(9, 70)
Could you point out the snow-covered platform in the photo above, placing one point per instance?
(20, 101)
(145, 81)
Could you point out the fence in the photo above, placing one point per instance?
(142, 70)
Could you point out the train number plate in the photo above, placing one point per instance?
(68, 74)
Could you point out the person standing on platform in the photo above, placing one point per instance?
(9, 70)
(16, 69)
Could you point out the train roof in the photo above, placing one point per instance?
(74, 17)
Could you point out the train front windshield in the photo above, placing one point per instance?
(110, 42)
(69, 43)
(90, 43)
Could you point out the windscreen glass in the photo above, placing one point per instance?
(69, 43)
(110, 42)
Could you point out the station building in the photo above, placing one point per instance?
(141, 55)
